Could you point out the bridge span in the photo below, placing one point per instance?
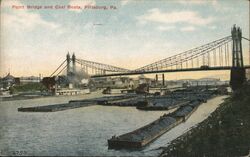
(167, 71)
(221, 54)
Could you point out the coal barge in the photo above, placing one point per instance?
(74, 104)
(146, 134)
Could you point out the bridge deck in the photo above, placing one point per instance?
(168, 70)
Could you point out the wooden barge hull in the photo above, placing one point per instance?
(130, 144)
(159, 108)
(54, 108)
(71, 105)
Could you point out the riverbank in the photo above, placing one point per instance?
(226, 132)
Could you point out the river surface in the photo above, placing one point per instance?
(82, 131)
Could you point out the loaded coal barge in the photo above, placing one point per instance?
(146, 134)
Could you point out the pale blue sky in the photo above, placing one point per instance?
(135, 34)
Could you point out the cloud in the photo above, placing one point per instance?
(198, 2)
(125, 2)
(26, 20)
(214, 3)
(191, 2)
(165, 28)
(81, 3)
(8, 3)
(188, 29)
(212, 27)
(23, 19)
(186, 17)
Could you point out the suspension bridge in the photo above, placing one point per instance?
(221, 54)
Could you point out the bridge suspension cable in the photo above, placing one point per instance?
(61, 70)
(248, 48)
(215, 54)
(101, 66)
(58, 68)
(186, 56)
(245, 38)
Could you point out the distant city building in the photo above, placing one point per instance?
(202, 81)
(122, 82)
(142, 79)
(117, 82)
(30, 79)
(9, 81)
(49, 83)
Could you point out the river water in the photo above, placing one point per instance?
(82, 131)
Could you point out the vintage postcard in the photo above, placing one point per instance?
(167, 78)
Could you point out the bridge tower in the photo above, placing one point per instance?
(68, 64)
(74, 63)
(238, 72)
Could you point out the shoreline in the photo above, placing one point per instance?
(224, 132)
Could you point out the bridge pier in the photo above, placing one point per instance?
(237, 78)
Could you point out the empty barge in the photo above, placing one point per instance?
(72, 104)
(55, 107)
